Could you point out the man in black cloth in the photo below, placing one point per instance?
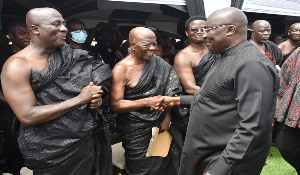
(137, 83)
(19, 36)
(261, 32)
(231, 115)
(292, 43)
(54, 96)
(191, 64)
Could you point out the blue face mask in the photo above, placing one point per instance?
(79, 36)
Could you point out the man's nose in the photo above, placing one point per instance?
(204, 35)
(63, 28)
(152, 47)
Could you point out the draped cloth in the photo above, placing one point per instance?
(203, 67)
(288, 110)
(158, 78)
(181, 114)
(64, 145)
(275, 52)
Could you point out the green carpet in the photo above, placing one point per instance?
(276, 165)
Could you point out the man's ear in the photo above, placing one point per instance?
(231, 30)
(35, 29)
(132, 46)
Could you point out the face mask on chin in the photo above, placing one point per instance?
(79, 36)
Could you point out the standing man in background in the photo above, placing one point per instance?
(261, 32)
(191, 64)
(20, 38)
(292, 43)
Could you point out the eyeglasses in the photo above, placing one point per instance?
(201, 30)
(206, 30)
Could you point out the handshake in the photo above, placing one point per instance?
(160, 103)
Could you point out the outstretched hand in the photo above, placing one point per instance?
(163, 103)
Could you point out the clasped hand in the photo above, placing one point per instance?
(91, 94)
(162, 103)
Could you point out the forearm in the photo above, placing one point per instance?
(42, 114)
(191, 89)
(123, 106)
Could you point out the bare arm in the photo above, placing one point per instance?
(185, 73)
(15, 80)
(117, 101)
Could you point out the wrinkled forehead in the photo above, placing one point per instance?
(146, 38)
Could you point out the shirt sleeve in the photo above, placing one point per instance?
(255, 88)
(186, 100)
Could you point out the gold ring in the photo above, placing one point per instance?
(98, 103)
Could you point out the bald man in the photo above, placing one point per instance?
(292, 43)
(231, 115)
(261, 32)
(54, 91)
(137, 83)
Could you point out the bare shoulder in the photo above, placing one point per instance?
(16, 64)
(121, 66)
(283, 44)
(183, 56)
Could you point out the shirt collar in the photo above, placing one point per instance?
(235, 48)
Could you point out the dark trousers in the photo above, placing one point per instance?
(288, 143)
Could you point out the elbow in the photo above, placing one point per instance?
(114, 107)
(26, 121)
